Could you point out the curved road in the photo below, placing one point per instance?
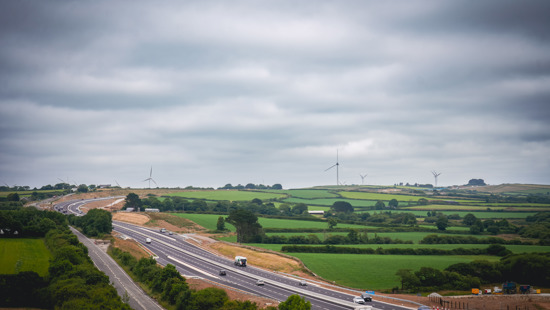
(193, 261)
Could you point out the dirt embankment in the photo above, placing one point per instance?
(278, 262)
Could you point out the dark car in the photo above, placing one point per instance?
(366, 297)
(222, 272)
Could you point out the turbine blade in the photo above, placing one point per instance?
(331, 167)
(154, 182)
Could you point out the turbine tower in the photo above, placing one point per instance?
(335, 165)
(363, 178)
(150, 178)
(436, 174)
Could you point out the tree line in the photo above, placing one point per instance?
(497, 250)
(169, 286)
(531, 268)
(73, 282)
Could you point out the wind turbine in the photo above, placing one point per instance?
(335, 165)
(436, 174)
(150, 178)
(363, 178)
(117, 184)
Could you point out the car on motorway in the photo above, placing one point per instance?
(223, 272)
(260, 282)
(303, 283)
(358, 300)
(366, 297)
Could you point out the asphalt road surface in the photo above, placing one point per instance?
(124, 285)
(193, 261)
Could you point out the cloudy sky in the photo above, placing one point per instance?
(215, 92)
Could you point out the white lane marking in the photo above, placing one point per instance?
(191, 267)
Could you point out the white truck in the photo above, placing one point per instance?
(147, 240)
(240, 261)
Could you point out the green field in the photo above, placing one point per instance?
(516, 249)
(479, 214)
(209, 221)
(23, 255)
(374, 272)
(230, 195)
(330, 201)
(306, 193)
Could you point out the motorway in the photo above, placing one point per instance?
(193, 261)
(125, 286)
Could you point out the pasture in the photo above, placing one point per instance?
(23, 255)
(306, 193)
(330, 201)
(209, 221)
(374, 272)
(516, 249)
(230, 195)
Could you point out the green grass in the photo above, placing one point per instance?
(23, 255)
(231, 195)
(516, 249)
(306, 193)
(331, 201)
(208, 221)
(374, 272)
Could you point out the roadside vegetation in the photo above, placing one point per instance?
(464, 225)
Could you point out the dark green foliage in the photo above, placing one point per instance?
(389, 251)
(29, 222)
(220, 225)
(295, 302)
(246, 224)
(132, 201)
(450, 239)
(23, 289)
(442, 222)
(341, 206)
(95, 223)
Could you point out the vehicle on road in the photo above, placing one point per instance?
(358, 300)
(303, 283)
(222, 272)
(170, 233)
(260, 282)
(147, 240)
(163, 230)
(366, 297)
(240, 261)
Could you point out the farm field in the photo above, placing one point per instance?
(374, 272)
(479, 214)
(415, 237)
(329, 202)
(23, 255)
(209, 221)
(305, 193)
(231, 195)
(516, 249)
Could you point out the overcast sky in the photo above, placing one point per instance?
(215, 92)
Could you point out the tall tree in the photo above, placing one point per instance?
(442, 222)
(246, 223)
(132, 201)
(342, 206)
